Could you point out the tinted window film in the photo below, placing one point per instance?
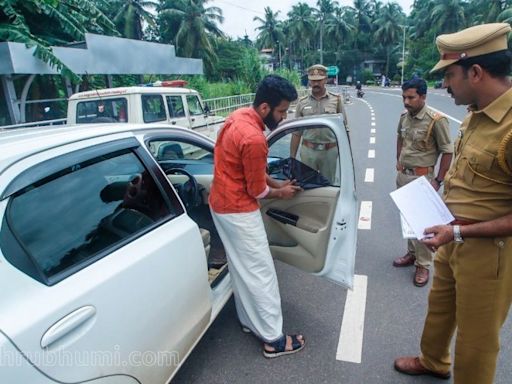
(310, 156)
(102, 111)
(70, 217)
(175, 105)
(153, 108)
(194, 105)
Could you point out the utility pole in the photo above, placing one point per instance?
(403, 55)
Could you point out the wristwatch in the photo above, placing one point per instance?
(440, 182)
(457, 237)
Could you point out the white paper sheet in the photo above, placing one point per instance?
(407, 232)
(421, 206)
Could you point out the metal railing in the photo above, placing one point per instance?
(223, 106)
(32, 124)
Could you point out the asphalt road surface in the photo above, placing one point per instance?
(392, 306)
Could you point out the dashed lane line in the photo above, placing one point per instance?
(365, 215)
(371, 154)
(369, 175)
(350, 344)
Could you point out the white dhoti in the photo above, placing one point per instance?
(252, 270)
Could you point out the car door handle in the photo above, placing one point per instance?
(67, 324)
(173, 122)
(193, 119)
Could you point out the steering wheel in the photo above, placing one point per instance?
(188, 191)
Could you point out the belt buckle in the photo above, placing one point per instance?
(320, 147)
(409, 171)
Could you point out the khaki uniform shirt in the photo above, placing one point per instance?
(418, 150)
(476, 186)
(328, 103)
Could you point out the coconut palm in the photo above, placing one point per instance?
(301, 26)
(129, 16)
(448, 16)
(325, 13)
(195, 27)
(270, 31)
(389, 33)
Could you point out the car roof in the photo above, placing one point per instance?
(16, 144)
(109, 92)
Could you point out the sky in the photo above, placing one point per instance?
(239, 14)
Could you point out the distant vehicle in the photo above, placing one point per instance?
(438, 84)
(113, 265)
(167, 101)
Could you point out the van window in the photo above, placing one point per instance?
(153, 108)
(175, 105)
(102, 111)
(76, 216)
(194, 105)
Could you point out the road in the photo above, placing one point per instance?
(394, 307)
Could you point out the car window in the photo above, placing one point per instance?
(194, 105)
(74, 216)
(102, 111)
(175, 105)
(178, 154)
(310, 156)
(153, 108)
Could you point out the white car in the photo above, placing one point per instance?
(110, 265)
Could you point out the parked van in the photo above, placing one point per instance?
(144, 104)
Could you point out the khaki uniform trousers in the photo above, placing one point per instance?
(324, 161)
(471, 292)
(416, 247)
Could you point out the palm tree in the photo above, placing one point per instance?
(129, 16)
(389, 32)
(325, 12)
(363, 22)
(301, 26)
(195, 27)
(448, 16)
(43, 23)
(270, 31)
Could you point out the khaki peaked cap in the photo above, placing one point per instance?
(471, 42)
(317, 72)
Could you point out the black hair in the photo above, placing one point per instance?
(416, 83)
(496, 63)
(272, 90)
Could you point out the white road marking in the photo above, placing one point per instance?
(435, 109)
(373, 118)
(365, 215)
(373, 124)
(369, 175)
(372, 140)
(373, 130)
(350, 344)
(371, 154)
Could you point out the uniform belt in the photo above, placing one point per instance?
(417, 171)
(463, 222)
(318, 146)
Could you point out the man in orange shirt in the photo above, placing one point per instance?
(240, 180)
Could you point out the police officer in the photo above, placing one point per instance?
(319, 148)
(423, 136)
(472, 286)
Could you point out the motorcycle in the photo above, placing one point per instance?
(360, 93)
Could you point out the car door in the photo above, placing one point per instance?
(107, 274)
(316, 230)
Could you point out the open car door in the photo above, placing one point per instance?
(316, 231)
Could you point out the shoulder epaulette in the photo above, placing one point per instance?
(333, 94)
(435, 115)
(304, 97)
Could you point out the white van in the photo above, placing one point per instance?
(146, 105)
